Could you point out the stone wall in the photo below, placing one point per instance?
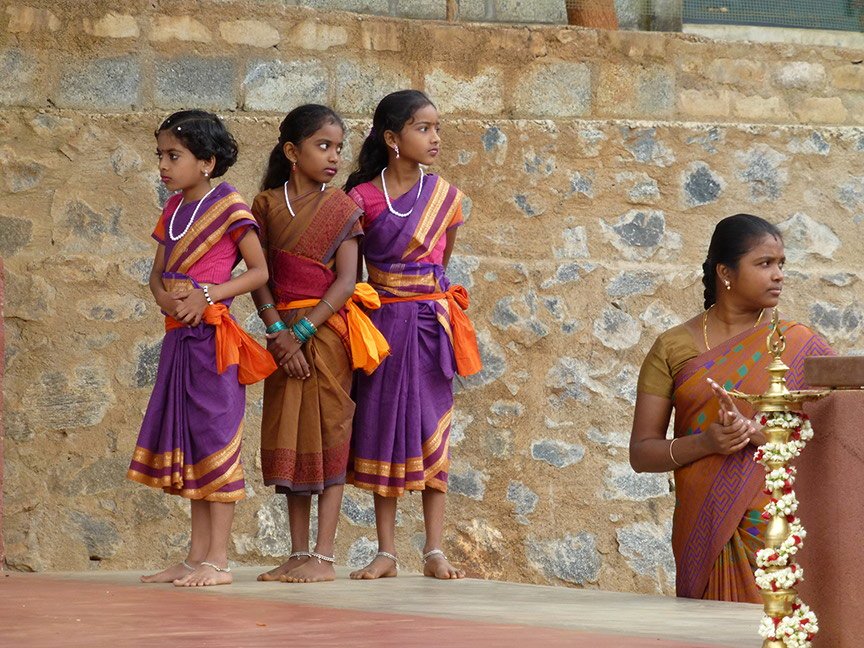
(596, 165)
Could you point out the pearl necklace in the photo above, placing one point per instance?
(191, 220)
(288, 202)
(705, 325)
(387, 195)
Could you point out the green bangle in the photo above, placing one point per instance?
(277, 326)
(301, 335)
(308, 326)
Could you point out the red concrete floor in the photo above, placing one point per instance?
(41, 611)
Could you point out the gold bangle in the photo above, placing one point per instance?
(671, 456)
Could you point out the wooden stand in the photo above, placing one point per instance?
(832, 502)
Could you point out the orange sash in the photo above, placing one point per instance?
(233, 346)
(368, 346)
(464, 336)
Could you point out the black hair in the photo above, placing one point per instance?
(205, 135)
(298, 125)
(733, 237)
(392, 113)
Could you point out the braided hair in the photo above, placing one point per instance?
(392, 113)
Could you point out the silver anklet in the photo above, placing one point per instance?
(187, 565)
(225, 570)
(434, 552)
(386, 554)
(300, 554)
(321, 557)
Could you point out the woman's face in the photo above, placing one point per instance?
(758, 279)
(179, 169)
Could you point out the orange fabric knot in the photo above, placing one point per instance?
(368, 346)
(234, 346)
(465, 347)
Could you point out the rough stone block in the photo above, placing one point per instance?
(253, 33)
(559, 454)
(282, 85)
(705, 103)
(701, 185)
(422, 9)
(111, 83)
(656, 94)
(648, 550)
(467, 481)
(182, 28)
(482, 93)
(800, 75)
(62, 401)
(822, 110)
(573, 559)
(360, 85)
(315, 35)
(380, 37)
(764, 170)
(195, 81)
(380, 7)
(557, 89)
(19, 79)
(113, 25)
(848, 77)
(623, 483)
(475, 10)
(23, 19)
(737, 72)
(761, 109)
(540, 11)
(616, 329)
(15, 233)
(806, 239)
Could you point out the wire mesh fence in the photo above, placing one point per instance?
(845, 15)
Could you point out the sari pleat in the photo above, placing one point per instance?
(190, 440)
(306, 424)
(401, 436)
(716, 528)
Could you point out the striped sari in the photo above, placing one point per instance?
(189, 443)
(404, 410)
(717, 525)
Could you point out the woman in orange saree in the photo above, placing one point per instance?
(717, 525)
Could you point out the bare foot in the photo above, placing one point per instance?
(206, 574)
(311, 571)
(169, 574)
(437, 566)
(276, 573)
(380, 567)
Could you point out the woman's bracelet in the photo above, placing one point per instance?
(303, 330)
(264, 307)
(206, 290)
(277, 326)
(329, 305)
(671, 456)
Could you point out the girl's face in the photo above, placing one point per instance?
(178, 167)
(758, 279)
(420, 137)
(318, 156)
